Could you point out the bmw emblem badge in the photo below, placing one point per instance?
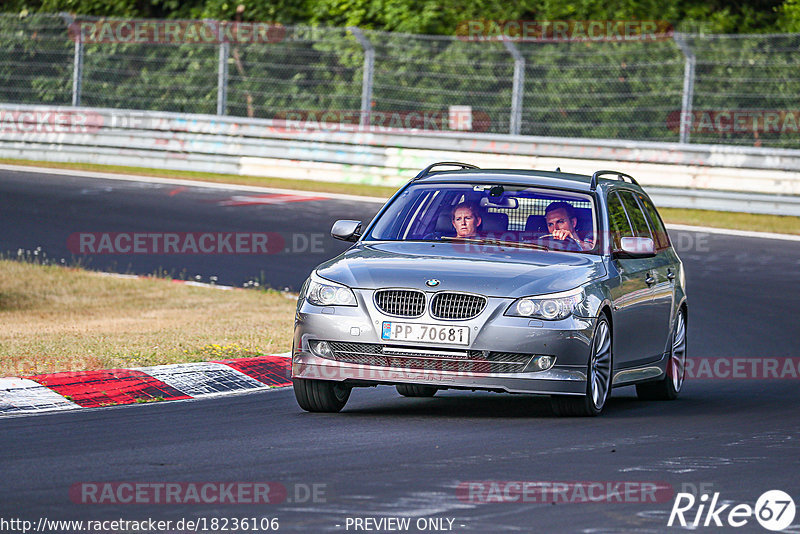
(433, 282)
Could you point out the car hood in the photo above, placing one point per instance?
(487, 270)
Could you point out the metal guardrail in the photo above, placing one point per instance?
(755, 180)
(725, 201)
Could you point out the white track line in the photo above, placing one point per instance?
(738, 233)
(185, 182)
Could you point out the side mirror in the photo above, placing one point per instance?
(637, 247)
(346, 230)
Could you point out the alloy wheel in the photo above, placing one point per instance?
(677, 360)
(600, 368)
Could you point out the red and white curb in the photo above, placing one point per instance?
(111, 387)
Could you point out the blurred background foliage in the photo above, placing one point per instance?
(441, 17)
(609, 90)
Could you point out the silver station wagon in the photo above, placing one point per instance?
(513, 281)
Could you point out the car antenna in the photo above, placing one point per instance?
(558, 169)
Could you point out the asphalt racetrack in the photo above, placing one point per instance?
(388, 457)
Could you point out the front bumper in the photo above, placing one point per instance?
(568, 340)
(551, 382)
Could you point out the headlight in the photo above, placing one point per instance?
(326, 293)
(549, 307)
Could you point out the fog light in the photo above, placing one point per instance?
(321, 349)
(542, 363)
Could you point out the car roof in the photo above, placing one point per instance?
(557, 179)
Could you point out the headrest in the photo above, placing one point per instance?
(536, 223)
(444, 224)
(584, 216)
(494, 222)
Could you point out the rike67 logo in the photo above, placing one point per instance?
(774, 510)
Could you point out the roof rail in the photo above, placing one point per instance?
(427, 170)
(620, 175)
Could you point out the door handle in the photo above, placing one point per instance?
(650, 280)
(670, 275)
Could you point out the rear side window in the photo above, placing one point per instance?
(662, 238)
(636, 215)
(619, 225)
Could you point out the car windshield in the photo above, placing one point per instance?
(495, 214)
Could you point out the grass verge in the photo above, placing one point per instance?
(63, 319)
(780, 224)
(715, 219)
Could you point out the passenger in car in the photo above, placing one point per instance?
(466, 219)
(562, 223)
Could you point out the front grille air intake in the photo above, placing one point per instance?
(400, 302)
(429, 358)
(457, 305)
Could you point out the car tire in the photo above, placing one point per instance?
(412, 390)
(598, 378)
(669, 387)
(320, 395)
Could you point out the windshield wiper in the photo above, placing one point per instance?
(496, 242)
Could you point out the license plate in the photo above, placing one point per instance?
(455, 335)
